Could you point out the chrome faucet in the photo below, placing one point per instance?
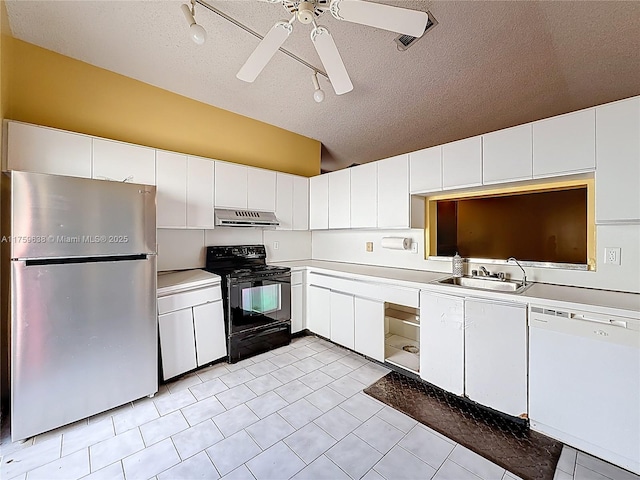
(485, 271)
(524, 274)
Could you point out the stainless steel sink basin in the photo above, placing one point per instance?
(492, 284)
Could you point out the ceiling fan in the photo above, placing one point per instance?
(386, 17)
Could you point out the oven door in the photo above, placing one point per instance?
(258, 302)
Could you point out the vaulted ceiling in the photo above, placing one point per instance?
(487, 65)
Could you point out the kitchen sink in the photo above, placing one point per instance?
(492, 284)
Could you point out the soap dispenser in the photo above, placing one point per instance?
(456, 264)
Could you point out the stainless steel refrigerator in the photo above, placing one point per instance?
(83, 298)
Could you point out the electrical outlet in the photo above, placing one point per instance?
(276, 245)
(369, 246)
(612, 256)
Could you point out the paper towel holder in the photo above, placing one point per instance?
(396, 243)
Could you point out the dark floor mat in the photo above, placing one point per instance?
(509, 444)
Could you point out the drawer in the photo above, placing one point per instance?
(171, 303)
(375, 291)
(297, 277)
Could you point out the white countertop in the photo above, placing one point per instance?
(599, 301)
(173, 282)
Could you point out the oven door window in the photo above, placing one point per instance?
(262, 299)
(259, 302)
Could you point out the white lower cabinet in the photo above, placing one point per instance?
(177, 342)
(495, 353)
(342, 319)
(369, 328)
(208, 323)
(319, 310)
(191, 329)
(297, 302)
(442, 341)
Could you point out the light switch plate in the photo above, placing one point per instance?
(369, 246)
(276, 245)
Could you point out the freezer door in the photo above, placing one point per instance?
(61, 217)
(84, 340)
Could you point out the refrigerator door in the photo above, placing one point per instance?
(84, 340)
(63, 217)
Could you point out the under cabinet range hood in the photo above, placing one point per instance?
(244, 218)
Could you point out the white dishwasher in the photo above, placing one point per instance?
(584, 382)
(190, 321)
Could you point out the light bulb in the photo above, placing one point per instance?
(318, 96)
(198, 33)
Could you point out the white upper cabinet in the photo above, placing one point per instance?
(339, 198)
(319, 202)
(618, 161)
(292, 202)
(462, 163)
(507, 155)
(394, 206)
(284, 201)
(171, 171)
(230, 185)
(426, 170)
(300, 203)
(261, 189)
(45, 150)
(564, 144)
(364, 194)
(122, 162)
(200, 187)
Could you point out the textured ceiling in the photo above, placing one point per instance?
(487, 65)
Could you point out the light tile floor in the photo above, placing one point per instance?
(296, 412)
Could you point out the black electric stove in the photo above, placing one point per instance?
(256, 298)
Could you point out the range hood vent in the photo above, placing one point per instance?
(244, 218)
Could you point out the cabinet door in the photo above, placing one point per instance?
(339, 198)
(177, 343)
(230, 185)
(122, 162)
(442, 341)
(496, 355)
(319, 202)
(507, 155)
(200, 185)
(426, 170)
(261, 189)
(618, 162)
(393, 192)
(319, 310)
(462, 163)
(297, 308)
(284, 201)
(300, 203)
(171, 176)
(564, 144)
(44, 150)
(369, 328)
(342, 319)
(364, 195)
(210, 336)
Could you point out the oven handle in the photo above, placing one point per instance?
(271, 330)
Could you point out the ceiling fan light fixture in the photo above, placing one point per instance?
(197, 32)
(305, 12)
(318, 94)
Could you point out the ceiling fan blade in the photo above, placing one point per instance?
(386, 17)
(266, 49)
(330, 58)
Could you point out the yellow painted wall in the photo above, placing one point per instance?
(50, 89)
